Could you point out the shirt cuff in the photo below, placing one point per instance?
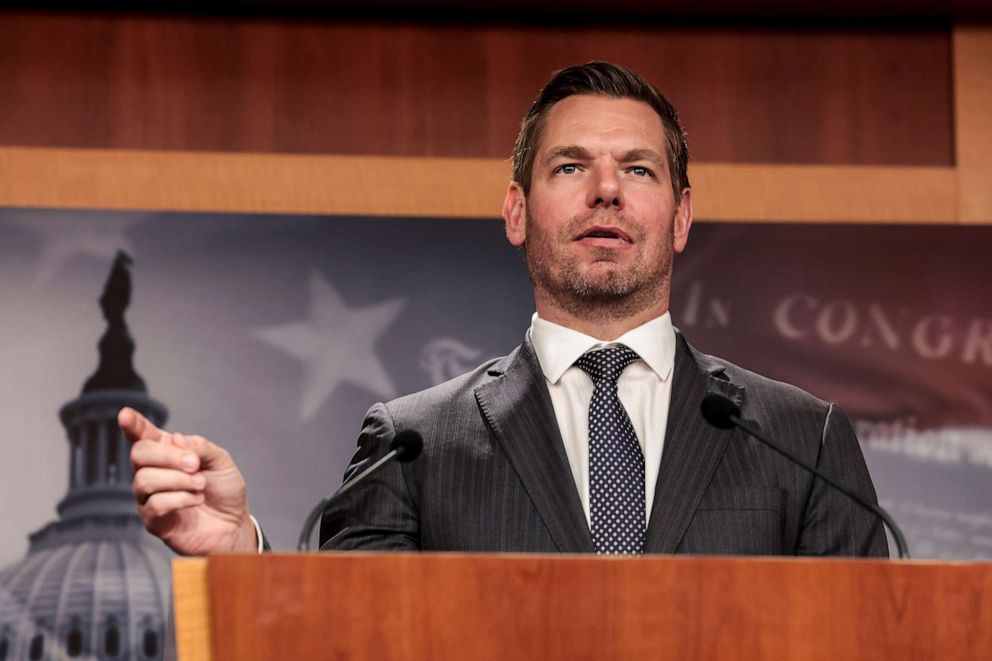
(258, 534)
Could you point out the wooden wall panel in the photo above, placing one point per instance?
(788, 95)
(443, 187)
(973, 117)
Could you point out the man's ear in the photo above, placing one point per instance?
(515, 215)
(682, 221)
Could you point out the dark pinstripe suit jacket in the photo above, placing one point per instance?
(494, 475)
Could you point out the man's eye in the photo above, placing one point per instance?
(641, 171)
(568, 168)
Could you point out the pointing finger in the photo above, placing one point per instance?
(136, 426)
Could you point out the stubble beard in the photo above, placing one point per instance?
(588, 291)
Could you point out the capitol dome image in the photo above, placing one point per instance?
(94, 584)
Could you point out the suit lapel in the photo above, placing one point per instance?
(518, 409)
(693, 448)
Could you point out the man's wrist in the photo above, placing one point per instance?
(260, 544)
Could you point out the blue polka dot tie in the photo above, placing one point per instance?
(616, 463)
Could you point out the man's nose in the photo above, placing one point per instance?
(604, 190)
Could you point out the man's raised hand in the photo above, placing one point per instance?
(189, 491)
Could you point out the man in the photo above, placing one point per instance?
(588, 437)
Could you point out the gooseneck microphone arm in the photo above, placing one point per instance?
(406, 446)
(722, 413)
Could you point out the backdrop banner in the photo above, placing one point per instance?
(272, 335)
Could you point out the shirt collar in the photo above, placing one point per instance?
(558, 347)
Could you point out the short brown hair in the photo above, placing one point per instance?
(603, 79)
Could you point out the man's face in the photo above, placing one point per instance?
(600, 224)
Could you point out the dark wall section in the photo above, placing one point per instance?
(785, 94)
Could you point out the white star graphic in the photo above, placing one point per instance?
(66, 235)
(336, 344)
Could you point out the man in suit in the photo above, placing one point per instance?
(588, 437)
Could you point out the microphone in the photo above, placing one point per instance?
(406, 447)
(723, 413)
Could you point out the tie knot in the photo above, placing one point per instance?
(606, 364)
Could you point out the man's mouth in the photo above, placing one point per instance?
(604, 235)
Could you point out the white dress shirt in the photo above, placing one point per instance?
(644, 389)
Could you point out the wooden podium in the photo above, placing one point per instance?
(461, 607)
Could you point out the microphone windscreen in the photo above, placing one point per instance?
(718, 409)
(408, 445)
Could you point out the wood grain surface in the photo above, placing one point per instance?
(443, 187)
(191, 604)
(446, 606)
(973, 116)
(841, 95)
